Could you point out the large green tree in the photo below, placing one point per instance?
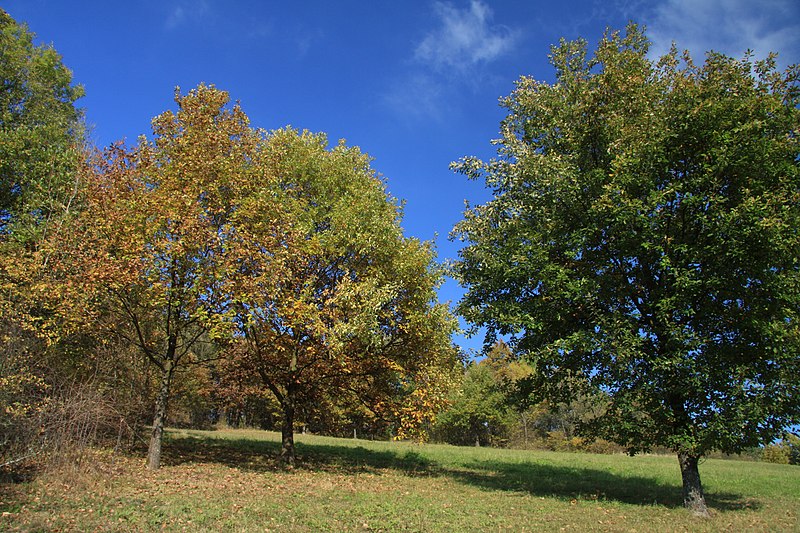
(642, 243)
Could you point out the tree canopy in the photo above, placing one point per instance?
(286, 255)
(480, 411)
(41, 132)
(642, 244)
(41, 141)
(341, 307)
(146, 256)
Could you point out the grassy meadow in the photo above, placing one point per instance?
(231, 481)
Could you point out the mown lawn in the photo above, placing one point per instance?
(231, 481)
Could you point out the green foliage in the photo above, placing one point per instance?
(793, 442)
(40, 133)
(479, 412)
(642, 242)
(40, 147)
(334, 307)
(491, 407)
(776, 453)
(565, 418)
(786, 451)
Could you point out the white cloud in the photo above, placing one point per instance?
(185, 12)
(464, 38)
(727, 26)
(175, 18)
(456, 54)
(419, 97)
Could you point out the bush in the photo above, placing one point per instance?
(785, 452)
(776, 453)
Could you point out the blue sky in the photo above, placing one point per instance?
(414, 84)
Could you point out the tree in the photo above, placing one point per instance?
(41, 137)
(41, 133)
(642, 244)
(479, 411)
(333, 303)
(146, 256)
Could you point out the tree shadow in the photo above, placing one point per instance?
(583, 483)
(243, 454)
(359, 459)
(537, 479)
(262, 456)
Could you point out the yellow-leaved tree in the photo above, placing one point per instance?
(147, 254)
(345, 309)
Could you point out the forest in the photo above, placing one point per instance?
(636, 272)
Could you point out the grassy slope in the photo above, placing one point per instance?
(229, 480)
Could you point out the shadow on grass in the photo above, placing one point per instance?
(583, 483)
(261, 456)
(562, 482)
(244, 454)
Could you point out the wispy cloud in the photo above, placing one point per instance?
(464, 38)
(457, 52)
(185, 12)
(303, 40)
(419, 97)
(727, 26)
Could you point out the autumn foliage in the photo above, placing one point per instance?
(332, 304)
(266, 255)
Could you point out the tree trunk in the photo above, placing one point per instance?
(525, 428)
(693, 498)
(287, 429)
(154, 452)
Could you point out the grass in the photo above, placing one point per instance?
(231, 481)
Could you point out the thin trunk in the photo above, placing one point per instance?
(287, 430)
(154, 452)
(525, 428)
(693, 498)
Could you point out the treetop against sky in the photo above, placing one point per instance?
(415, 85)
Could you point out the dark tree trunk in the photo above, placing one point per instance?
(154, 452)
(287, 429)
(693, 498)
